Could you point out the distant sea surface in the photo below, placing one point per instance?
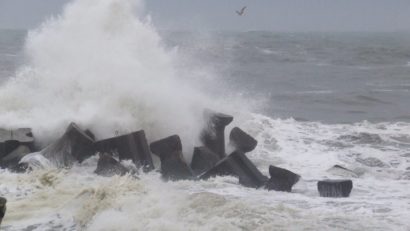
(327, 77)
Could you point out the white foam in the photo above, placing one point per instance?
(104, 67)
(79, 199)
(36, 160)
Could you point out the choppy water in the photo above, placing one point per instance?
(104, 68)
(330, 77)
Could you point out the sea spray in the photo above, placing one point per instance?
(78, 199)
(104, 67)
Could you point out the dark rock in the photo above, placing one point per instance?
(74, 145)
(108, 166)
(203, 159)
(335, 188)
(173, 165)
(213, 136)
(237, 164)
(241, 140)
(3, 202)
(13, 158)
(132, 146)
(281, 179)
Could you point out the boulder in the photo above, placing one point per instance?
(237, 164)
(203, 159)
(74, 145)
(335, 188)
(173, 165)
(108, 166)
(132, 146)
(13, 158)
(3, 202)
(241, 140)
(213, 136)
(281, 179)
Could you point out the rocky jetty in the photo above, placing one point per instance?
(209, 160)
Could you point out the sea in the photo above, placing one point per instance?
(312, 100)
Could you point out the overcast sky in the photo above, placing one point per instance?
(276, 15)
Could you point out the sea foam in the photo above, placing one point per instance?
(102, 64)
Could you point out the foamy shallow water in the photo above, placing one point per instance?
(77, 199)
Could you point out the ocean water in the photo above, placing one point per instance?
(312, 100)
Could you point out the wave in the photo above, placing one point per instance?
(105, 67)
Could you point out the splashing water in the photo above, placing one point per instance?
(105, 68)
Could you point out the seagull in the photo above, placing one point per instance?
(240, 13)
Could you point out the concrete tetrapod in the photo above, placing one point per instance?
(335, 188)
(213, 136)
(132, 146)
(74, 145)
(108, 166)
(237, 164)
(281, 179)
(203, 159)
(241, 140)
(173, 165)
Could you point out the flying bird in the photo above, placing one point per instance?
(240, 13)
